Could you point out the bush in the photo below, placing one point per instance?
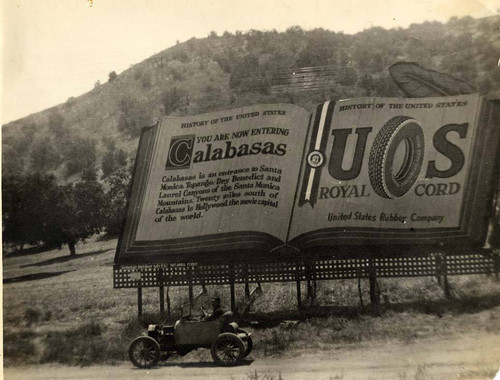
(32, 315)
(134, 116)
(19, 348)
(172, 99)
(146, 81)
(81, 346)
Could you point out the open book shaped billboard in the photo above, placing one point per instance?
(254, 182)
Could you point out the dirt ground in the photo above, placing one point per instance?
(469, 356)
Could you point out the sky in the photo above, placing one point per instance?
(55, 49)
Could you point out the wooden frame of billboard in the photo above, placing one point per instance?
(339, 263)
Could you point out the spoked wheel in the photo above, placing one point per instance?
(249, 347)
(228, 349)
(144, 352)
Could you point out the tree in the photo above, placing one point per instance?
(112, 76)
(113, 159)
(78, 214)
(118, 184)
(36, 209)
(172, 99)
(78, 154)
(56, 125)
(134, 116)
(43, 156)
(27, 203)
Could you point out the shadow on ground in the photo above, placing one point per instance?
(31, 250)
(106, 237)
(34, 276)
(461, 305)
(243, 363)
(64, 259)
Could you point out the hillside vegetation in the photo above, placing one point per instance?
(98, 131)
(66, 170)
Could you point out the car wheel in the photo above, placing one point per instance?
(144, 352)
(227, 350)
(249, 347)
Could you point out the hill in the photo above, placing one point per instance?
(99, 129)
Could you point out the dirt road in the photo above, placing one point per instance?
(471, 356)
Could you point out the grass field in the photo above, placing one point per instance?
(64, 309)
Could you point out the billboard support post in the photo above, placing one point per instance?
(231, 287)
(247, 286)
(496, 265)
(162, 300)
(168, 302)
(446, 285)
(299, 296)
(374, 296)
(439, 270)
(191, 295)
(360, 294)
(139, 301)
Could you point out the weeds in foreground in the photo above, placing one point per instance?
(19, 347)
(260, 376)
(81, 346)
(415, 309)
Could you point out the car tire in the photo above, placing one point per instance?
(227, 350)
(249, 346)
(144, 352)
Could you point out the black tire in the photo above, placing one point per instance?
(249, 347)
(399, 129)
(144, 352)
(227, 350)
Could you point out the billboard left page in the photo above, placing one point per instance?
(213, 185)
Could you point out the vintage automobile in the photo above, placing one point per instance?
(227, 342)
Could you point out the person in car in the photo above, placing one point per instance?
(217, 310)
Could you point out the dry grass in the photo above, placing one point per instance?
(75, 316)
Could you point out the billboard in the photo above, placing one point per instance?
(262, 181)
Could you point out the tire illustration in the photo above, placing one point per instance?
(144, 352)
(227, 350)
(387, 181)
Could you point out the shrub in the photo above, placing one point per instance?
(32, 315)
(19, 348)
(172, 99)
(146, 80)
(81, 346)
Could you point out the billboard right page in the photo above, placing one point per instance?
(382, 171)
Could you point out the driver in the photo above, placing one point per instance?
(216, 312)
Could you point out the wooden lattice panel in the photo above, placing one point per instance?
(184, 274)
(471, 264)
(340, 269)
(406, 266)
